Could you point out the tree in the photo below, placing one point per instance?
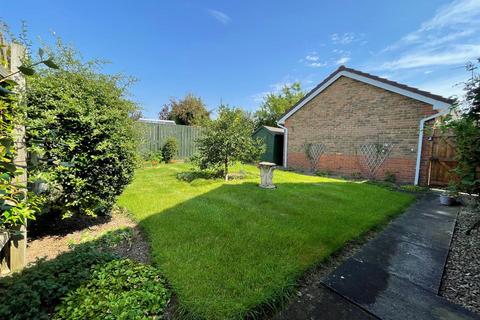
(80, 134)
(275, 104)
(164, 114)
(226, 140)
(189, 111)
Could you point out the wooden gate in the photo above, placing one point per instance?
(442, 159)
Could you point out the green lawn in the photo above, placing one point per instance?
(228, 247)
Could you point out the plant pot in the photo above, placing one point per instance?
(447, 200)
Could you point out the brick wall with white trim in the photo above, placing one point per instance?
(350, 113)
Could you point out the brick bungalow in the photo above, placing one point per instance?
(351, 112)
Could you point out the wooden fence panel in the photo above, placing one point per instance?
(154, 136)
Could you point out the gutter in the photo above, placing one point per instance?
(420, 141)
(285, 144)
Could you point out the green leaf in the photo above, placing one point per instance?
(26, 70)
(10, 167)
(9, 82)
(49, 63)
(6, 142)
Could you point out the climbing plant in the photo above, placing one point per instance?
(14, 207)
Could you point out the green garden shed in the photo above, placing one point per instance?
(273, 138)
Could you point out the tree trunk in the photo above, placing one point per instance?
(225, 170)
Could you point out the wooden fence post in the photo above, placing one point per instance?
(18, 237)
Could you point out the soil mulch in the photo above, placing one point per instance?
(461, 278)
(48, 240)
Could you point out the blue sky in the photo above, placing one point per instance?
(237, 51)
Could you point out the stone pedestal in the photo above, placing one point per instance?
(266, 174)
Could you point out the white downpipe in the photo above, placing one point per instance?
(285, 144)
(420, 142)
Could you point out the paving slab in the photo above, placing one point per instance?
(416, 263)
(398, 274)
(320, 302)
(390, 297)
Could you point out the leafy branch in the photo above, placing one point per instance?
(29, 70)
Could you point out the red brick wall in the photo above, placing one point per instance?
(350, 113)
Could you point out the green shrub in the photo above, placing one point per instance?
(33, 293)
(170, 149)
(153, 156)
(356, 175)
(120, 289)
(390, 177)
(322, 173)
(190, 176)
(81, 135)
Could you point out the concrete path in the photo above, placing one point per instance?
(395, 276)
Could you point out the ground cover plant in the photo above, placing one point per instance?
(119, 289)
(231, 249)
(89, 282)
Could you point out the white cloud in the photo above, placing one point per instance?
(277, 87)
(312, 58)
(456, 20)
(345, 38)
(219, 16)
(447, 87)
(317, 64)
(454, 55)
(342, 60)
(459, 12)
(450, 37)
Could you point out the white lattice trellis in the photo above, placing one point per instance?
(375, 154)
(314, 151)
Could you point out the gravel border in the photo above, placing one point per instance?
(461, 277)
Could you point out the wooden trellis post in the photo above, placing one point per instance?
(13, 245)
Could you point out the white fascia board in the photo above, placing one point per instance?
(438, 105)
